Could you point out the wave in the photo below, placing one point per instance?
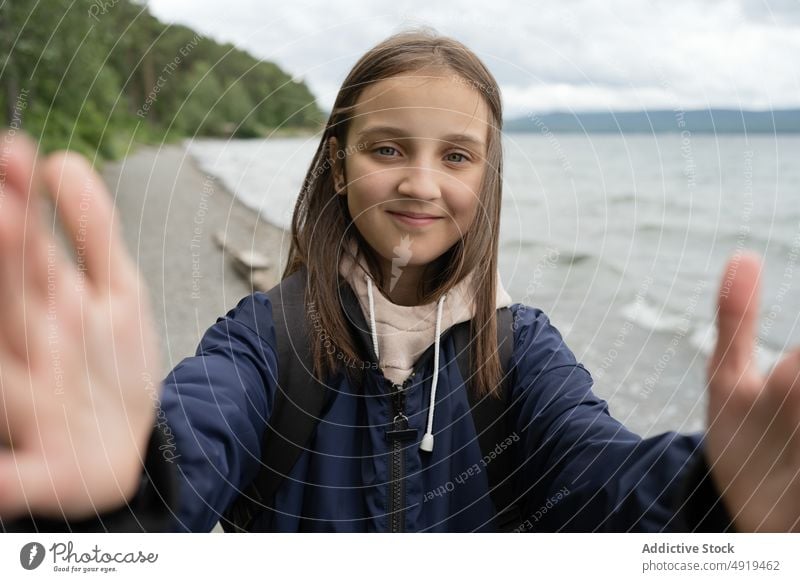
(777, 237)
(649, 317)
(547, 251)
(622, 197)
(702, 335)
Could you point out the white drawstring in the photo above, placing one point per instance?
(427, 440)
(372, 316)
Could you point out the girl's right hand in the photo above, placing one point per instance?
(79, 355)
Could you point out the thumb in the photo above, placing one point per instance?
(737, 315)
(23, 483)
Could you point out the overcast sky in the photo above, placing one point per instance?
(555, 55)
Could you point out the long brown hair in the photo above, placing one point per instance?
(322, 226)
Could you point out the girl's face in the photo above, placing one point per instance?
(416, 146)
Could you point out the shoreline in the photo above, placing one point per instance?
(169, 211)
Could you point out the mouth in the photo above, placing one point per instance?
(413, 219)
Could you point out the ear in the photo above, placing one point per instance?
(337, 166)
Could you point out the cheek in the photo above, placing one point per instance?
(464, 208)
(366, 205)
(462, 197)
(365, 209)
(366, 192)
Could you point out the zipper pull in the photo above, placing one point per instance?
(400, 429)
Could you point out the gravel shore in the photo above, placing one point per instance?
(170, 212)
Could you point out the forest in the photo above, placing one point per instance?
(101, 76)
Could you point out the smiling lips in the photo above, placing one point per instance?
(414, 219)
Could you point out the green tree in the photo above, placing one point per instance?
(80, 75)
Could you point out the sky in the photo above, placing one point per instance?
(558, 55)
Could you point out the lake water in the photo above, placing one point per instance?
(621, 240)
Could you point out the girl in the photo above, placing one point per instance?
(394, 243)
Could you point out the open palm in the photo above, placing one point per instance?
(78, 351)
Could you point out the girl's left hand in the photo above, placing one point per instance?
(753, 439)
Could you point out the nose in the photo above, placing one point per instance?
(420, 181)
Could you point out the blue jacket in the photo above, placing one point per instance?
(577, 468)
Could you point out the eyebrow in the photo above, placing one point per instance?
(397, 132)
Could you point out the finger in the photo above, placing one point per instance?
(737, 316)
(87, 212)
(12, 298)
(45, 269)
(17, 153)
(783, 386)
(19, 180)
(25, 482)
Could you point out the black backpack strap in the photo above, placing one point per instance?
(491, 420)
(299, 401)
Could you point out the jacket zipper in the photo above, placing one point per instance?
(399, 433)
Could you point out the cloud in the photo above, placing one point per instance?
(572, 54)
(778, 12)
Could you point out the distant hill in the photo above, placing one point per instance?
(661, 121)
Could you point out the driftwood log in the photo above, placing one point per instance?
(251, 265)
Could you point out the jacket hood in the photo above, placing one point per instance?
(401, 333)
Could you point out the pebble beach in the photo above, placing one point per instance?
(170, 212)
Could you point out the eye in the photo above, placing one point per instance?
(382, 150)
(464, 157)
